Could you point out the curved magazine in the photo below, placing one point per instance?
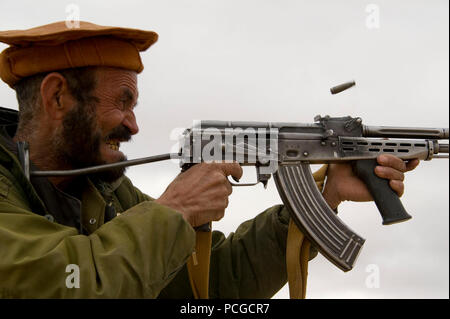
(315, 218)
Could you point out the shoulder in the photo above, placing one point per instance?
(128, 194)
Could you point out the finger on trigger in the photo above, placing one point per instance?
(233, 169)
(392, 161)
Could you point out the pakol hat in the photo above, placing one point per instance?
(55, 47)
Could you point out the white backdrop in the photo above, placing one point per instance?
(271, 60)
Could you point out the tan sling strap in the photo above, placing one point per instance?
(198, 265)
(297, 256)
(297, 250)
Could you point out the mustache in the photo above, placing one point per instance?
(121, 133)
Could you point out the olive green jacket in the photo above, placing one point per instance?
(140, 253)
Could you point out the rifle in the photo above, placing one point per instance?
(286, 150)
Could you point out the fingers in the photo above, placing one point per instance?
(392, 161)
(233, 169)
(228, 188)
(389, 173)
(397, 186)
(393, 169)
(412, 164)
(201, 193)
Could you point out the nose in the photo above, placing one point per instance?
(130, 122)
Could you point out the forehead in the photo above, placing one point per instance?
(117, 80)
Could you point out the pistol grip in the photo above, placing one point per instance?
(205, 227)
(387, 201)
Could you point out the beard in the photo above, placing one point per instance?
(77, 143)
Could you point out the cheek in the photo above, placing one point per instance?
(110, 120)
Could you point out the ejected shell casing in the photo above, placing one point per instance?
(342, 87)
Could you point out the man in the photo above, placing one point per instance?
(76, 90)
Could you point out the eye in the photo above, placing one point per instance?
(123, 104)
(126, 100)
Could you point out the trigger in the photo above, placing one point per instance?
(265, 183)
(263, 178)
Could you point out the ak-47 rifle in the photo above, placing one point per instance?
(286, 150)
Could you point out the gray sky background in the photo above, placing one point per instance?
(273, 60)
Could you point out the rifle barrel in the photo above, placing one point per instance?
(443, 148)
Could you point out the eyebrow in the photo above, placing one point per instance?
(128, 95)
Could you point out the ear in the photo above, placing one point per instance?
(56, 98)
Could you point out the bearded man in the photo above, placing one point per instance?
(76, 91)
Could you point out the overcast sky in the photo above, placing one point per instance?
(268, 60)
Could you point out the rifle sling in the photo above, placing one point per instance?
(297, 256)
(198, 265)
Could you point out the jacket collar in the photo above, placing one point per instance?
(13, 169)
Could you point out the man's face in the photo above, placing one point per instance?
(117, 95)
(92, 134)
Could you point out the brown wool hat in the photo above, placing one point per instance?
(55, 47)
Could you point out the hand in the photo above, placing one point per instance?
(342, 184)
(201, 193)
